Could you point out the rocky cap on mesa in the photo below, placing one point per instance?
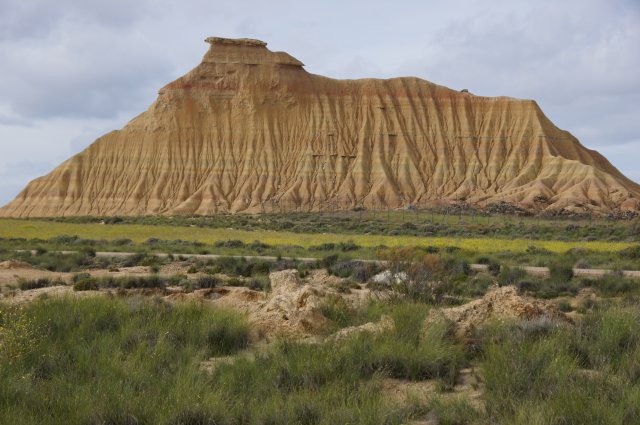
(247, 51)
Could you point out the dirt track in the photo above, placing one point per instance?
(534, 271)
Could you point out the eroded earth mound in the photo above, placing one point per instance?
(500, 303)
(249, 130)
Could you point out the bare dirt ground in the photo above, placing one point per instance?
(12, 271)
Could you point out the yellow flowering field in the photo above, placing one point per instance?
(140, 232)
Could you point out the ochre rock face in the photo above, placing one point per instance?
(250, 130)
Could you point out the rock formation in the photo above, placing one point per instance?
(249, 130)
(498, 304)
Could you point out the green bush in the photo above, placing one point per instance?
(611, 285)
(357, 270)
(42, 282)
(207, 282)
(230, 243)
(323, 247)
(111, 360)
(86, 284)
(340, 313)
(348, 246)
(537, 371)
(560, 272)
(79, 276)
(510, 275)
(631, 253)
(493, 267)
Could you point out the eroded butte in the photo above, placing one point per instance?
(250, 130)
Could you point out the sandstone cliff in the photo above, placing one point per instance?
(249, 130)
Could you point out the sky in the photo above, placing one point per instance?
(72, 70)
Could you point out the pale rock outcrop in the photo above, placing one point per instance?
(500, 303)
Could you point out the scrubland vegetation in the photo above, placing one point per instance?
(133, 360)
(123, 354)
(457, 223)
(45, 252)
(557, 239)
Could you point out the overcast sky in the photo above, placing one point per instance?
(72, 70)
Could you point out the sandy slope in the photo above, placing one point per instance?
(250, 130)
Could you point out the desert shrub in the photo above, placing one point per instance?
(303, 270)
(122, 241)
(547, 288)
(259, 246)
(510, 275)
(230, 243)
(125, 282)
(456, 266)
(612, 285)
(141, 259)
(88, 252)
(528, 285)
(520, 367)
(348, 246)
(565, 306)
(178, 279)
(346, 285)
(535, 250)
(476, 286)
(86, 284)
(582, 264)
(42, 282)
(536, 373)
(360, 271)
(323, 247)
(483, 260)
(153, 281)
(64, 239)
(328, 261)
(113, 220)
(62, 263)
(610, 336)
(240, 266)
(339, 312)
(79, 276)
(493, 267)
(260, 283)
(295, 383)
(207, 282)
(419, 274)
(414, 351)
(631, 253)
(560, 272)
(115, 361)
(235, 281)
(377, 286)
